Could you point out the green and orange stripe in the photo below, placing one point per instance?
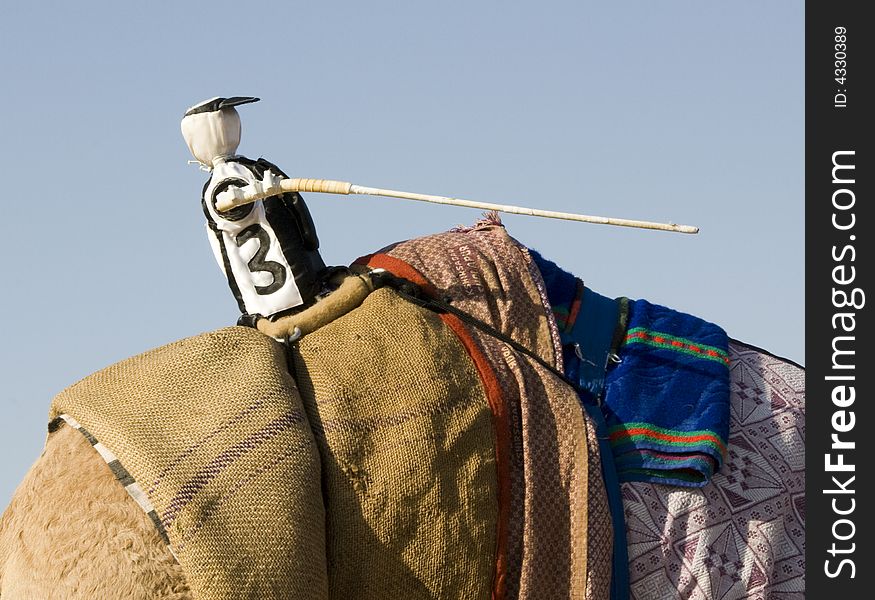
(657, 339)
(566, 314)
(637, 433)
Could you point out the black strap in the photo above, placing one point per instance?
(596, 336)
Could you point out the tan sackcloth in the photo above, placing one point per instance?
(408, 454)
(210, 431)
(557, 498)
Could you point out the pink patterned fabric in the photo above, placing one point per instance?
(559, 532)
(743, 535)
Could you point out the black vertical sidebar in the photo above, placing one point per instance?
(840, 424)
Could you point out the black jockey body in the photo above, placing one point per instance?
(268, 249)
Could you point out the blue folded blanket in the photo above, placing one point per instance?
(666, 402)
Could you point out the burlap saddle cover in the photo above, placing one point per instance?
(393, 453)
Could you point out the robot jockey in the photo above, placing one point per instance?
(267, 249)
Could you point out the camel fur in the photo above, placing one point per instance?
(71, 531)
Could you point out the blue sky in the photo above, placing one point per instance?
(679, 111)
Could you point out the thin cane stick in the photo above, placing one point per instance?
(234, 197)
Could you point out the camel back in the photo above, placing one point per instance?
(411, 455)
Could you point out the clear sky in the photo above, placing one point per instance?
(683, 111)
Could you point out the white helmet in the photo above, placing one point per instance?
(212, 128)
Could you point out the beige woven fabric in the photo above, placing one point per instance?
(407, 444)
(557, 496)
(212, 430)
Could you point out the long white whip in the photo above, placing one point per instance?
(234, 196)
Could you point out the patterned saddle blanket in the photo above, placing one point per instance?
(743, 534)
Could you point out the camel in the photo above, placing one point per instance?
(72, 531)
